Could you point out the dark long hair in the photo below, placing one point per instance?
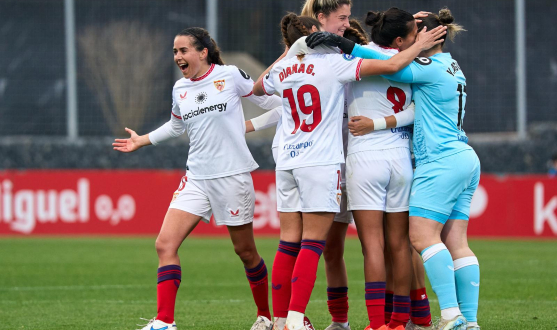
(388, 25)
(201, 40)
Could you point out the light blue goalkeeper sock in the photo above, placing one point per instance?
(439, 266)
(467, 278)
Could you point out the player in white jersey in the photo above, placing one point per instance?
(383, 191)
(310, 150)
(206, 105)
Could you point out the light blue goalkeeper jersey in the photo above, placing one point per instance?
(439, 92)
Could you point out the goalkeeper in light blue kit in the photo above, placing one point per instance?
(447, 173)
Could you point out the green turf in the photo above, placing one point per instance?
(109, 283)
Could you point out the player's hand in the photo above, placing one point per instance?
(421, 14)
(127, 145)
(428, 39)
(327, 38)
(360, 125)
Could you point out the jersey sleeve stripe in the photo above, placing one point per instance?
(250, 94)
(358, 70)
(175, 115)
(264, 90)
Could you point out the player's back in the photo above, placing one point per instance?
(439, 92)
(377, 97)
(312, 89)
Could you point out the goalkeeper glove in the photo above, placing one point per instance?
(330, 39)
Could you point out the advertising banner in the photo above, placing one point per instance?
(114, 202)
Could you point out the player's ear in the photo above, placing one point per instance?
(203, 54)
(399, 41)
(314, 28)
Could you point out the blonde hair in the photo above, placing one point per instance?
(446, 18)
(312, 8)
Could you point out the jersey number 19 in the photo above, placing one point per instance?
(314, 107)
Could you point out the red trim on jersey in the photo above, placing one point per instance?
(250, 93)
(358, 69)
(175, 115)
(205, 75)
(263, 85)
(388, 47)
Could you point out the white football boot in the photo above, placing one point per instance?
(457, 323)
(337, 326)
(279, 323)
(155, 324)
(412, 326)
(262, 323)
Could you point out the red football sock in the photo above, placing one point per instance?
(401, 311)
(388, 305)
(337, 300)
(304, 274)
(283, 266)
(259, 284)
(169, 278)
(419, 307)
(375, 303)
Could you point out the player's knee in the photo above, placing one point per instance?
(332, 255)
(165, 247)
(246, 253)
(418, 242)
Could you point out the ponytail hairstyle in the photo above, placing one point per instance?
(293, 27)
(356, 33)
(388, 25)
(312, 8)
(444, 18)
(201, 40)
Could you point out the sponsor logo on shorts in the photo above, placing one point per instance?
(174, 196)
(475, 284)
(276, 287)
(339, 198)
(235, 213)
(294, 279)
(450, 267)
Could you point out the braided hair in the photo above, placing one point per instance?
(356, 33)
(293, 27)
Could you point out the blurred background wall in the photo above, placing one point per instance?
(124, 73)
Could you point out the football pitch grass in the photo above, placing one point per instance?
(109, 283)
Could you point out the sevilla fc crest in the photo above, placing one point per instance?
(219, 84)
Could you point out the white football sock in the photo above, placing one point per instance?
(450, 313)
(294, 320)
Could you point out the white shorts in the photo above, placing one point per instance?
(230, 199)
(379, 180)
(309, 189)
(344, 215)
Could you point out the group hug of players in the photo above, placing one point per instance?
(342, 153)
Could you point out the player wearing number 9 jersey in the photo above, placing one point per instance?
(447, 174)
(207, 105)
(310, 149)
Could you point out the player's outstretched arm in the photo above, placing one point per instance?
(425, 40)
(133, 143)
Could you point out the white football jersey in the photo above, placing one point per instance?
(376, 97)
(312, 92)
(211, 110)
